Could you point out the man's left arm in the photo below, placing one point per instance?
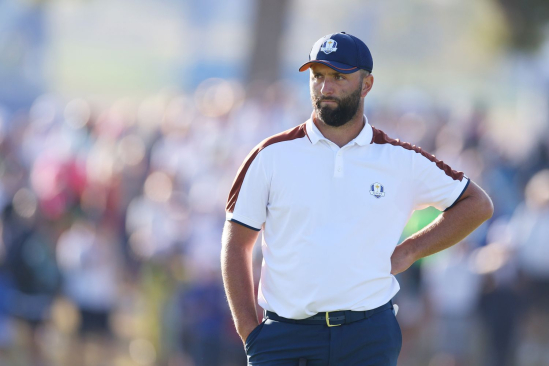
(469, 212)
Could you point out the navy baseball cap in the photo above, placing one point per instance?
(342, 52)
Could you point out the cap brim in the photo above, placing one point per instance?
(337, 66)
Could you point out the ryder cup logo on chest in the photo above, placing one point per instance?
(329, 46)
(377, 190)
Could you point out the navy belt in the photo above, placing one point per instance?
(331, 318)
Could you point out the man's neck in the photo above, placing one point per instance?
(343, 134)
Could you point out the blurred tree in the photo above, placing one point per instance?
(267, 34)
(526, 19)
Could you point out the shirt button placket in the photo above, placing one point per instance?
(338, 164)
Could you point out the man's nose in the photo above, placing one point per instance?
(327, 88)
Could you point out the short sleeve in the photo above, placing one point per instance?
(436, 184)
(247, 203)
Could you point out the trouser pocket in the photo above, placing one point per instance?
(253, 335)
(398, 331)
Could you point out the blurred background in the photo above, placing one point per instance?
(123, 124)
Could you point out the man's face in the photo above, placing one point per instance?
(336, 97)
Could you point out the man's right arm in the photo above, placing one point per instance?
(236, 267)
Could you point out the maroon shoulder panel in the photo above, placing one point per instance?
(292, 134)
(380, 137)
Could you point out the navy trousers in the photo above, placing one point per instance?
(375, 341)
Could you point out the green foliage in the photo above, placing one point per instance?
(418, 221)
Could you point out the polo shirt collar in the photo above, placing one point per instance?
(363, 138)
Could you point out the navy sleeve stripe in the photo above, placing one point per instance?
(461, 194)
(243, 224)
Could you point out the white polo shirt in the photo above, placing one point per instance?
(332, 217)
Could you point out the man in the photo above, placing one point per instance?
(332, 196)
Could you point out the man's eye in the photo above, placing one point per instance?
(339, 77)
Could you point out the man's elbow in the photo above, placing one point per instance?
(485, 207)
(480, 204)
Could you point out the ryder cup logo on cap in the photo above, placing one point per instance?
(329, 46)
(352, 54)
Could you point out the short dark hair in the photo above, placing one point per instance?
(365, 73)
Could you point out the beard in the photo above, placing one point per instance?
(341, 114)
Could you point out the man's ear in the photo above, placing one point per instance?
(367, 84)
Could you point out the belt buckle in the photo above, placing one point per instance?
(328, 321)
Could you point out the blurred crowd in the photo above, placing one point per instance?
(112, 215)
